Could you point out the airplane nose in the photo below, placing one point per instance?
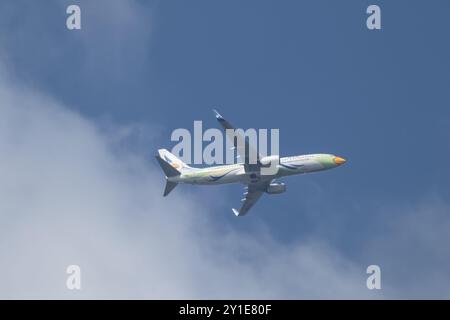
(339, 160)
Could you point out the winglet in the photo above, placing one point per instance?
(236, 213)
(218, 115)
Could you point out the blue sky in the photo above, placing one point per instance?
(310, 68)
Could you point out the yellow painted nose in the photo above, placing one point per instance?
(339, 160)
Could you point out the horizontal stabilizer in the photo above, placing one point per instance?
(169, 187)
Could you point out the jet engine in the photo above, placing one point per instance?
(276, 188)
(266, 161)
(270, 165)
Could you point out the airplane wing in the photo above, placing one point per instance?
(242, 146)
(253, 193)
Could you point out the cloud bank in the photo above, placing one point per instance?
(72, 193)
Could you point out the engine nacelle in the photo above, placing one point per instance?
(266, 161)
(270, 165)
(276, 188)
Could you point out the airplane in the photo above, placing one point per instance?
(176, 171)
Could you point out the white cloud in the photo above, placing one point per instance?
(71, 193)
(412, 249)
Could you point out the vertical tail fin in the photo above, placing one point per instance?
(169, 170)
(172, 160)
(172, 167)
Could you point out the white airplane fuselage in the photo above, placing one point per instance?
(235, 173)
